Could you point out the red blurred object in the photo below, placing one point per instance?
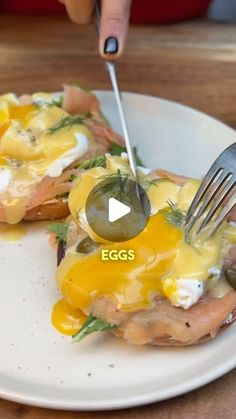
(167, 11)
(29, 7)
(149, 11)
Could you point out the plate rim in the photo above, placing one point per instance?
(122, 403)
(172, 102)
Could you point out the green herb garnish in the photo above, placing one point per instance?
(151, 182)
(68, 121)
(116, 150)
(40, 102)
(98, 161)
(173, 214)
(92, 324)
(60, 230)
(62, 195)
(72, 177)
(230, 276)
(58, 102)
(116, 182)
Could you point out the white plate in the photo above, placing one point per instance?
(40, 367)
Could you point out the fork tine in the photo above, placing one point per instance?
(208, 179)
(213, 191)
(220, 198)
(223, 214)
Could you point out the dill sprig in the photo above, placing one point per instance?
(152, 182)
(116, 182)
(173, 214)
(98, 161)
(176, 217)
(68, 121)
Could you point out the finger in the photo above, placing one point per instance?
(79, 11)
(114, 27)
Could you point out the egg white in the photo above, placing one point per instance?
(70, 156)
(5, 179)
(187, 291)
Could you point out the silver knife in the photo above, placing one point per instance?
(112, 72)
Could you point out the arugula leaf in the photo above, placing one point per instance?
(92, 324)
(68, 121)
(60, 230)
(116, 150)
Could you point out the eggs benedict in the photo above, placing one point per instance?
(162, 287)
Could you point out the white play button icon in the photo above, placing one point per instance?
(116, 210)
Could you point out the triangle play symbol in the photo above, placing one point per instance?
(116, 210)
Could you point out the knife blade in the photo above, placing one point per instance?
(111, 67)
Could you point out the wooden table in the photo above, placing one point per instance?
(193, 63)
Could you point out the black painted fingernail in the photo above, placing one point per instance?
(111, 45)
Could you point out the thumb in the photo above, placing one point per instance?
(79, 11)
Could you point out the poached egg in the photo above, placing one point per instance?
(34, 144)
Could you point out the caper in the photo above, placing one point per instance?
(230, 276)
(86, 246)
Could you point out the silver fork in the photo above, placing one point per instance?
(214, 189)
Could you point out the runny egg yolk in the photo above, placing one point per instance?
(66, 319)
(132, 284)
(29, 151)
(164, 258)
(21, 112)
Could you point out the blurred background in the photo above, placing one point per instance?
(151, 11)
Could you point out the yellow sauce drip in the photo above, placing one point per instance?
(11, 233)
(66, 319)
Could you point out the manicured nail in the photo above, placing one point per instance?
(111, 45)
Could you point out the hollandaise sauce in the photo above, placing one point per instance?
(11, 233)
(30, 150)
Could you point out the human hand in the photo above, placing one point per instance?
(114, 22)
